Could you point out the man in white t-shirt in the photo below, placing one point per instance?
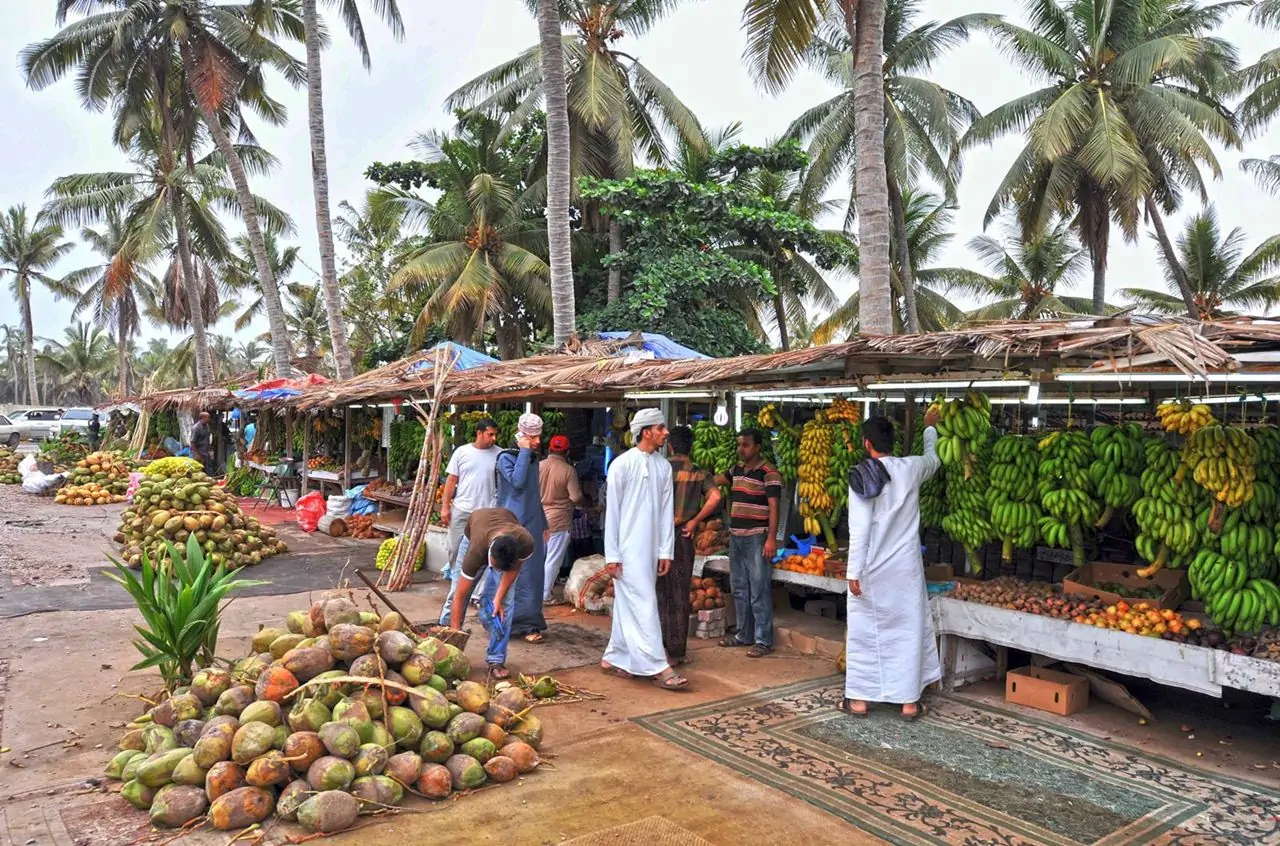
(470, 485)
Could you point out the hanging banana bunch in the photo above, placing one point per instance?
(715, 448)
(1119, 459)
(846, 452)
(844, 411)
(933, 501)
(1066, 491)
(964, 426)
(1166, 512)
(1012, 495)
(968, 516)
(766, 449)
(817, 442)
(1223, 460)
(1183, 418)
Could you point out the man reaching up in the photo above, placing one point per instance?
(890, 651)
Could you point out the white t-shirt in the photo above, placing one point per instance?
(474, 469)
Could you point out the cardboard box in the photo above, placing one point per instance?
(939, 573)
(1084, 580)
(1047, 690)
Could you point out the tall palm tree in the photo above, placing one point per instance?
(924, 120)
(372, 236)
(13, 354)
(1223, 277)
(305, 316)
(250, 355)
(205, 53)
(1124, 121)
(1262, 78)
(29, 248)
(239, 273)
(780, 34)
(478, 262)
(617, 108)
(555, 92)
(350, 13)
(116, 291)
(78, 363)
(1026, 277)
(929, 220)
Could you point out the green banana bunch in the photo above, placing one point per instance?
(968, 514)
(1236, 602)
(715, 447)
(786, 445)
(964, 426)
(1119, 458)
(846, 451)
(1065, 489)
(933, 504)
(1166, 513)
(1012, 498)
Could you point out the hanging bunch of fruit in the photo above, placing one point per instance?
(553, 423)
(1223, 460)
(1251, 544)
(817, 442)
(1066, 491)
(1119, 459)
(1233, 600)
(844, 411)
(1183, 418)
(1166, 512)
(846, 452)
(508, 421)
(933, 493)
(964, 427)
(466, 424)
(1012, 496)
(750, 421)
(715, 448)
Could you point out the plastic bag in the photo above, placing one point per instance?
(135, 479)
(338, 506)
(586, 585)
(310, 509)
(36, 482)
(27, 466)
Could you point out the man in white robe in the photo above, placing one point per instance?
(639, 543)
(891, 654)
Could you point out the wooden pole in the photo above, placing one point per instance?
(306, 455)
(346, 448)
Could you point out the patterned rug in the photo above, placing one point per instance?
(650, 831)
(968, 774)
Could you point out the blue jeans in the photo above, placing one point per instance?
(499, 629)
(752, 586)
(528, 591)
(455, 573)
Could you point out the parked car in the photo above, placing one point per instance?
(36, 424)
(75, 420)
(9, 433)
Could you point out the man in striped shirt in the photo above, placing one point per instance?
(755, 489)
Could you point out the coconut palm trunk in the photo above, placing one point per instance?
(320, 187)
(875, 295)
(900, 239)
(615, 272)
(122, 351)
(556, 95)
(780, 316)
(281, 349)
(29, 345)
(1171, 259)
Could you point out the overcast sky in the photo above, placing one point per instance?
(370, 116)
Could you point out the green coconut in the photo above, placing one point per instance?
(545, 688)
(331, 773)
(210, 683)
(356, 714)
(115, 769)
(480, 749)
(329, 694)
(291, 798)
(438, 682)
(382, 737)
(473, 697)
(394, 646)
(252, 740)
(376, 792)
(262, 711)
(371, 759)
(529, 729)
(214, 745)
(296, 621)
(308, 715)
(405, 726)
(467, 772)
(430, 706)
(328, 812)
(417, 668)
(157, 771)
(234, 700)
(189, 773)
(138, 794)
(464, 727)
(436, 747)
(263, 639)
(341, 739)
(158, 739)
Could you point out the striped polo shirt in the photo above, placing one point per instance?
(749, 494)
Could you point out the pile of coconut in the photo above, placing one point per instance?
(340, 713)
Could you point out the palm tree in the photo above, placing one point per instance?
(1026, 276)
(29, 248)
(1265, 171)
(79, 363)
(372, 236)
(350, 12)
(478, 262)
(13, 354)
(117, 291)
(929, 218)
(1262, 103)
(1221, 275)
(239, 272)
(555, 91)
(924, 120)
(250, 355)
(617, 109)
(306, 319)
(780, 34)
(1124, 122)
(197, 52)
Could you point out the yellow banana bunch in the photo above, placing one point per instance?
(844, 411)
(817, 440)
(769, 417)
(1223, 461)
(1183, 418)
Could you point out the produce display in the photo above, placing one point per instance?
(360, 526)
(100, 478)
(9, 461)
(388, 549)
(964, 447)
(715, 448)
(817, 498)
(813, 564)
(334, 715)
(1066, 490)
(786, 441)
(711, 537)
(933, 493)
(323, 462)
(705, 595)
(176, 500)
(1119, 458)
(1182, 417)
(1015, 507)
(381, 487)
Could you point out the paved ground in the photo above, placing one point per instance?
(65, 690)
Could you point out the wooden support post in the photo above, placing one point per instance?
(346, 448)
(288, 435)
(306, 455)
(1002, 662)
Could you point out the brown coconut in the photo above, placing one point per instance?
(394, 647)
(234, 700)
(501, 769)
(214, 745)
(331, 773)
(176, 805)
(224, 777)
(302, 749)
(338, 611)
(269, 770)
(418, 668)
(209, 684)
(327, 812)
(241, 808)
(435, 782)
(262, 711)
(250, 741)
(307, 662)
(275, 684)
(525, 756)
(291, 798)
(348, 642)
(405, 767)
(473, 697)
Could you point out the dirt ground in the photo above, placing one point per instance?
(66, 690)
(45, 544)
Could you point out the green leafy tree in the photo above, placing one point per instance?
(1223, 276)
(923, 125)
(703, 254)
(929, 219)
(29, 248)
(78, 362)
(1026, 278)
(1261, 80)
(1123, 122)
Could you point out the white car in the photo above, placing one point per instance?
(36, 424)
(74, 420)
(9, 433)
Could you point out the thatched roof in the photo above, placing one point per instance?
(593, 371)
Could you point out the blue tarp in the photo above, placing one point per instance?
(660, 345)
(269, 394)
(467, 357)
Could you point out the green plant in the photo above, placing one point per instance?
(181, 604)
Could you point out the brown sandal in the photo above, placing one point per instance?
(732, 642)
(670, 680)
(499, 672)
(616, 672)
(758, 651)
(846, 707)
(921, 710)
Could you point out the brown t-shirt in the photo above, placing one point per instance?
(483, 527)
